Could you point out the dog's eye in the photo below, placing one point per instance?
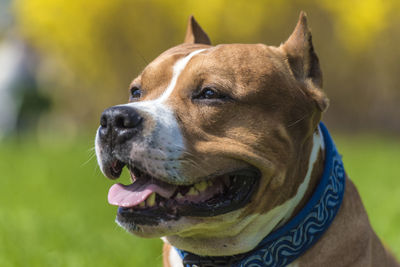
(209, 93)
(136, 93)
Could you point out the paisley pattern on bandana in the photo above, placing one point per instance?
(287, 243)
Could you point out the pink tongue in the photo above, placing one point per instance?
(133, 194)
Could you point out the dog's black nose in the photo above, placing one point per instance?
(119, 123)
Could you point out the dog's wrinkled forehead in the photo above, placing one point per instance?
(235, 68)
(164, 72)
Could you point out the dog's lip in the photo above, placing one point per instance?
(113, 168)
(143, 185)
(217, 202)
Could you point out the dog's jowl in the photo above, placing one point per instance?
(229, 161)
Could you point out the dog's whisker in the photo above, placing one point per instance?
(91, 157)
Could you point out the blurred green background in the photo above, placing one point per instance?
(63, 62)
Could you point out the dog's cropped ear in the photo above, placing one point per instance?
(195, 34)
(304, 62)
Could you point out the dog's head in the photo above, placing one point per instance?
(212, 137)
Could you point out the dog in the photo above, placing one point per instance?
(230, 164)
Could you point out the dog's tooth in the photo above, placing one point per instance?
(192, 192)
(234, 179)
(133, 178)
(201, 186)
(151, 200)
(179, 196)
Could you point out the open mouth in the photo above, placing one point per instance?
(149, 200)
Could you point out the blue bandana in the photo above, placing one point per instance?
(290, 241)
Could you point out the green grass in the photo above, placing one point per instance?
(54, 209)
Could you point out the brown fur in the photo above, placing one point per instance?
(278, 102)
(350, 240)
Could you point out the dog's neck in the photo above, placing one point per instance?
(290, 240)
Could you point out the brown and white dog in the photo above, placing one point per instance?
(224, 147)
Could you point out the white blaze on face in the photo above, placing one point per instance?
(177, 70)
(165, 135)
